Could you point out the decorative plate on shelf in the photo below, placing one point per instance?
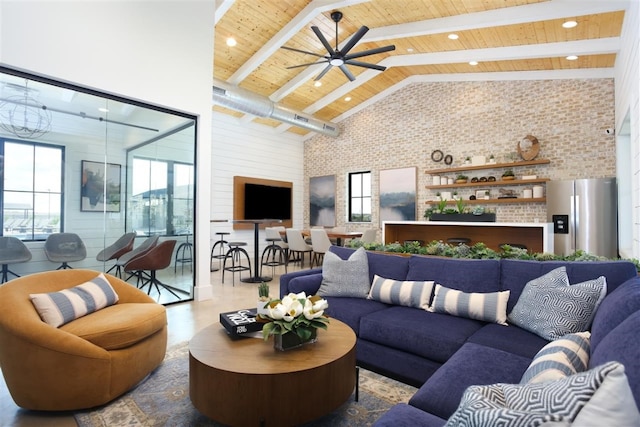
(436, 155)
(528, 147)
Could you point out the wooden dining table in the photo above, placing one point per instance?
(337, 235)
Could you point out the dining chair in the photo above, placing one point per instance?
(149, 243)
(320, 244)
(297, 246)
(64, 248)
(146, 265)
(12, 251)
(114, 251)
(369, 235)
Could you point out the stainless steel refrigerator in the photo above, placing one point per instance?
(584, 213)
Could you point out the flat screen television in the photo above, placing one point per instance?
(267, 202)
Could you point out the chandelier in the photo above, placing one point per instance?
(23, 116)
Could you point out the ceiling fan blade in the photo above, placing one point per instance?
(323, 40)
(301, 51)
(321, 75)
(347, 73)
(307, 64)
(354, 39)
(370, 52)
(366, 65)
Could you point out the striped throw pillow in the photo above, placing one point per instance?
(488, 306)
(560, 358)
(58, 308)
(408, 293)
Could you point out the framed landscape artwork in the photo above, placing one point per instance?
(322, 201)
(398, 194)
(100, 191)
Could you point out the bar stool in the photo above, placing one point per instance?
(184, 254)
(221, 251)
(234, 253)
(274, 254)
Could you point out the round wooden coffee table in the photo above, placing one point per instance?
(245, 381)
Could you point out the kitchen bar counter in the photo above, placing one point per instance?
(536, 236)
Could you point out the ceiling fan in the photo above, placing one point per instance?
(342, 58)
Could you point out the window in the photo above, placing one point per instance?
(360, 197)
(161, 200)
(31, 189)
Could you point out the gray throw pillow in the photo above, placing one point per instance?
(345, 278)
(551, 308)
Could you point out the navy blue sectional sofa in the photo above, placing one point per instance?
(444, 354)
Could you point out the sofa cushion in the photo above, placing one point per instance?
(622, 346)
(517, 273)
(485, 306)
(560, 358)
(510, 339)
(615, 308)
(120, 325)
(385, 265)
(432, 335)
(345, 278)
(473, 364)
(467, 275)
(58, 308)
(351, 310)
(415, 294)
(552, 308)
(594, 398)
(403, 415)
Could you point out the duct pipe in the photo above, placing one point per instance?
(248, 102)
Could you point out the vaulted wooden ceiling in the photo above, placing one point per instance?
(509, 39)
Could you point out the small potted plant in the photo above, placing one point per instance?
(492, 159)
(467, 160)
(487, 195)
(508, 175)
(461, 179)
(263, 298)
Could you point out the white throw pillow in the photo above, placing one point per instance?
(408, 293)
(58, 308)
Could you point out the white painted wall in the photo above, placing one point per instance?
(158, 52)
(243, 149)
(627, 95)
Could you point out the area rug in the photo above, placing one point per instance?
(162, 399)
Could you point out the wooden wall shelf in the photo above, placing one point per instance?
(493, 201)
(490, 184)
(489, 166)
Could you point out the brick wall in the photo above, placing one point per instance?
(569, 118)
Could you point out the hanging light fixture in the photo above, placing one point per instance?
(23, 116)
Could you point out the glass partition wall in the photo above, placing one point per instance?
(75, 160)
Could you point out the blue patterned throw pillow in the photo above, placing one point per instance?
(598, 397)
(488, 307)
(415, 294)
(58, 308)
(551, 308)
(560, 358)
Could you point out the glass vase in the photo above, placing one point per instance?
(291, 340)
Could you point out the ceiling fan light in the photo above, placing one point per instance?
(336, 62)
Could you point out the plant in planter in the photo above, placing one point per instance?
(508, 175)
(467, 160)
(492, 159)
(263, 298)
(487, 195)
(461, 179)
(460, 205)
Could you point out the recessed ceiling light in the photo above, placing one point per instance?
(318, 83)
(410, 49)
(231, 42)
(347, 99)
(104, 110)
(453, 36)
(569, 24)
(572, 57)
(473, 62)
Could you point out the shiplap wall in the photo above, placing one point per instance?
(627, 90)
(243, 149)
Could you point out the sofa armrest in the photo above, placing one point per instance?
(307, 280)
